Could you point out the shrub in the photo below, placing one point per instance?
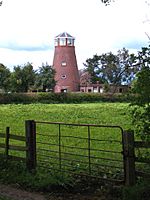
(141, 191)
(44, 97)
(16, 172)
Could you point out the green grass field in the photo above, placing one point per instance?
(14, 115)
(74, 150)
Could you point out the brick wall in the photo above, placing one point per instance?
(65, 64)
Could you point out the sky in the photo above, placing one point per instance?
(28, 28)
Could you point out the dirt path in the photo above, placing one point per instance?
(17, 194)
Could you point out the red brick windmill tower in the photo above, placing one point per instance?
(65, 64)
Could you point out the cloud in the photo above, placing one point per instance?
(28, 28)
(16, 57)
(18, 47)
(135, 44)
(25, 43)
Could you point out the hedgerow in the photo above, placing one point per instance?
(43, 97)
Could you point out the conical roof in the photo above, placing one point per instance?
(64, 35)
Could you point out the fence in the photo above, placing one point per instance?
(26, 148)
(7, 146)
(81, 149)
(142, 158)
(52, 152)
(105, 152)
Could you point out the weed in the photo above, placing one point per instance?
(141, 191)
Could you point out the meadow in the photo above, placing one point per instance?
(14, 115)
(71, 151)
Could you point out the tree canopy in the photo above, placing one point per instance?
(106, 2)
(110, 68)
(22, 78)
(25, 78)
(141, 86)
(4, 77)
(45, 77)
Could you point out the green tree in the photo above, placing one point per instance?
(29, 76)
(110, 68)
(106, 2)
(22, 78)
(4, 78)
(92, 67)
(141, 86)
(45, 77)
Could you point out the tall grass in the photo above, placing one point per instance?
(13, 115)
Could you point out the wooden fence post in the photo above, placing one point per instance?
(30, 128)
(129, 158)
(7, 142)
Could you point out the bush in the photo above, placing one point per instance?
(12, 172)
(141, 191)
(15, 98)
(44, 97)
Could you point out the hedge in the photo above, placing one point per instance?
(47, 97)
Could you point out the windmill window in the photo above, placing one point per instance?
(62, 42)
(56, 42)
(63, 64)
(70, 42)
(63, 76)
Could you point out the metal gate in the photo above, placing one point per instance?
(82, 149)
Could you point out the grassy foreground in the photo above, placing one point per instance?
(14, 115)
